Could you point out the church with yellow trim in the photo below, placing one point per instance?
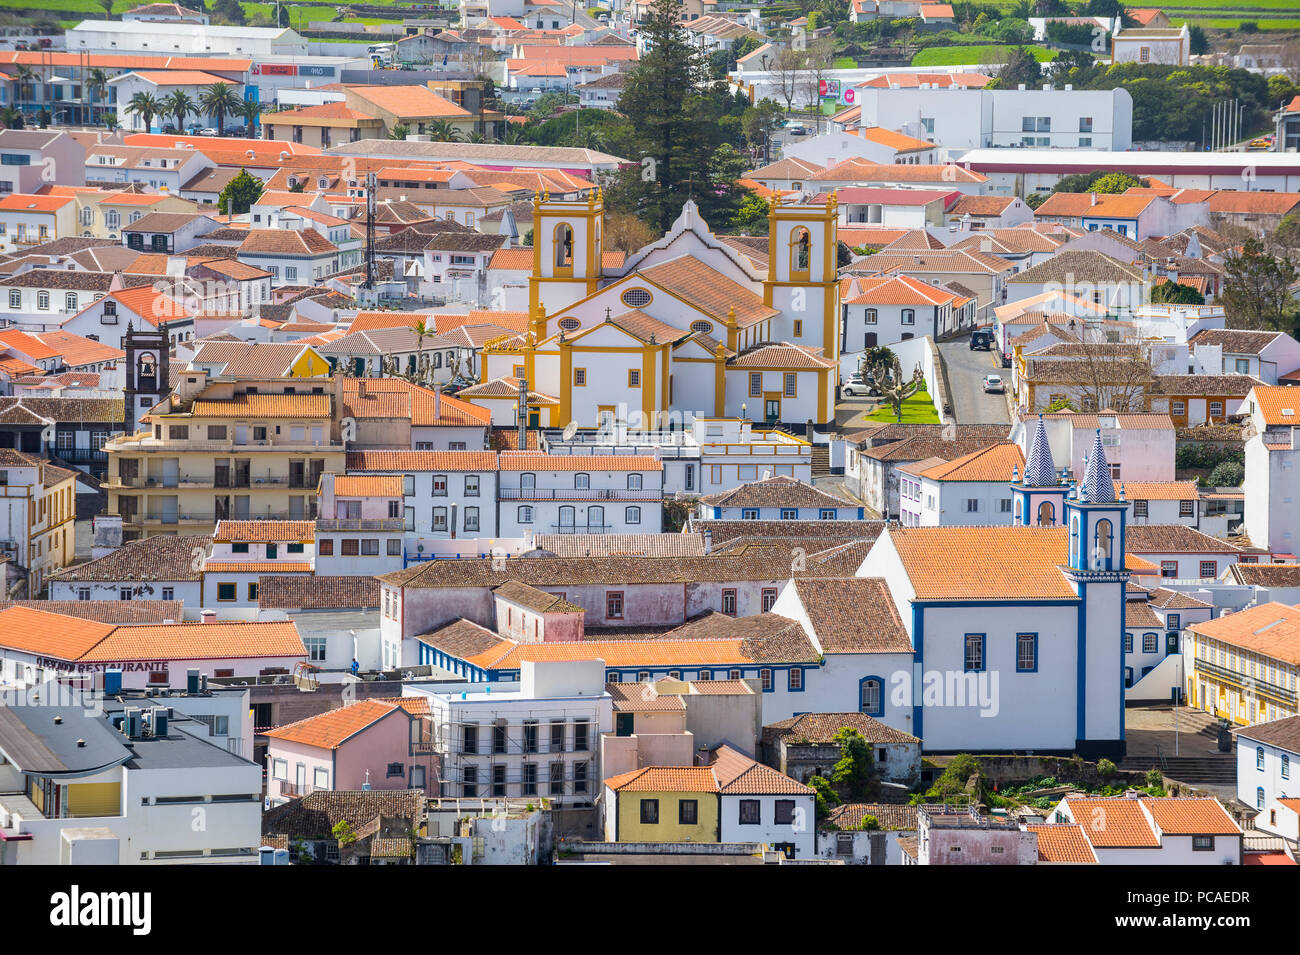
(693, 324)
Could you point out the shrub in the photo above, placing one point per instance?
(1155, 777)
(1106, 769)
(1227, 474)
(870, 823)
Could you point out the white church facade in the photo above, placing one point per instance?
(690, 325)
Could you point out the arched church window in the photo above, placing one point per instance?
(800, 246)
(1046, 514)
(563, 246)
(1019, 511)
(146, 366)
(1102, 544)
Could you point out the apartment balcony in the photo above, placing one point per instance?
(360, 524)
(579, 494)
(143, 442)
(291, 789)
(197, 520)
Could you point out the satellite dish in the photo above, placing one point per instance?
(570, 430)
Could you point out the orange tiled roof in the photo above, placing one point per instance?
(50, 634)
(1202, 816)
(665, 779)
(407, 461)
(297, 532)
(408, 101)
(1271, 629)
(952, 563)
(368, 485)
(393, 397)
(1161, 490)
(332, 729)
(1275, 400)
(1063, 843)
(264, 406)
(1117, 823)
(530, 461)
(994, 463)
(199, 641)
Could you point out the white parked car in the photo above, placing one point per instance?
(993, 384)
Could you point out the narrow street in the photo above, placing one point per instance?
(966, 371)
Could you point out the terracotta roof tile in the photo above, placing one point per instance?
(1173, 539)
(781, 355)
(994, 463)
(1113, 823)
(1063, 843)
(299, 592)
(294, 532)
(853, 615)
(331, 729)
(891, 817)
(107, 611)
(1202, 816)
(528, 461)
(407, 461)
(1271, 629)
(199, 641)
(534, 599)
(1161, 490)
(369, 485)
(952, 563)
(153, 559)
(779, 491)
(709, 290)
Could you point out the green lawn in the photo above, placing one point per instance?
(918, 409)
(960, 55)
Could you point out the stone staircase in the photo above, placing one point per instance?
(821, 460)
(1198, 764)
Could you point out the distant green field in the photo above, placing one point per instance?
(1223, 23)
(958, 55)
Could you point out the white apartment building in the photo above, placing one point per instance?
(1272, 485)
(37, 516)
(445, 495)
(121, 787)
(242, 551)
(576, 494)
(971, 489)
(536, 738)
(1268, 774)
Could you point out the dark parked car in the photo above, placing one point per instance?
(981, 340)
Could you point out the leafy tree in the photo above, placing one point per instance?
(108, 8)
(893, 387)
(958, 774)
(623, 232)
(1256, 288)
(1287, 233)
(11, 117)
(344, 833)
(674, 133)
(759, 122)
(1281, 88)
(854, 773)
(240, 193)
(1200, 43)
(229, 12)
(751, 217)
(1114, 183)
(146, 106)
(870, 824)
(1227, 474)
(1061, 404)
(826, 797)
(1021, 67)
(1176, 293)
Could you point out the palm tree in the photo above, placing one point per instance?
(146, 106)
(97, 84)
(441, 131)
(220, 100)
(178, 105)
(11, 118)
(26, 77)
(249, 110)
(421, 329)
(110, 121)
(399, 132)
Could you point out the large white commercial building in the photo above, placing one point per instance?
(183, 39)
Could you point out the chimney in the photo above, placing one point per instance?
(208, 615)
(361, 388)
(1092, 196)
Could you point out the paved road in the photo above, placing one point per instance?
(966, 371)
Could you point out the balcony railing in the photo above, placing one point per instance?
(360, 524)
(211, 518)
(290, 789)
(583, 528)
(579, 494)
(1238, 678)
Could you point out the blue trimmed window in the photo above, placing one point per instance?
(973, 659)
(1128, 643)
(1259, 758)
(1026, 653)
(1259, 797)
(1286, 766)
(871, 696)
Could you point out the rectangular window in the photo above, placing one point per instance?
(765, 680)
(530, 779)
(580, 738)
(1169, 568)
(784, 812)
(1139, 508)
(769, 598)
(688, 812)
(469, 739)
(469, 781)
(614, 604)
(555, 779)
(557, 736)
(791, 384)
(325, 547)
(499, 738)
(530, 737)
(1203, 843)
(471, 519)
(370, 547)
(227, 592)
(351, 547)
(729, 602)
(395, 547)
(471, 485)
(1186, 508)
(1150, 643)
(634, 378)
(974, 652)
(649, 812)
(1026, 652)
(579, 377)
(751, 813)
(440, 485)
(498, 780)
(796, 679)
(755, 384)
(1209, 568)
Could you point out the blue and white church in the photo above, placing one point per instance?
(1017, 631)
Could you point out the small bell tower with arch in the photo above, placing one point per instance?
(148, 378)
(802, 280)
(1039, 497)
(567, 243)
